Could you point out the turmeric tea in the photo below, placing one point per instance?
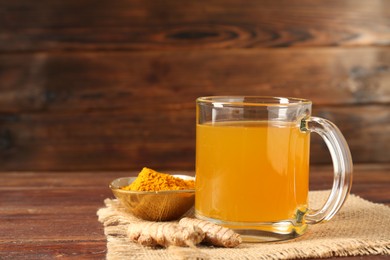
(151, 180)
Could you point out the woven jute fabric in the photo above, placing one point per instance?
(360, 228)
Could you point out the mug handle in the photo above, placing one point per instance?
(342, 167)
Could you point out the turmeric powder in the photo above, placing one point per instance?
(150, 180)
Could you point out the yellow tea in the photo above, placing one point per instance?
(251, 171)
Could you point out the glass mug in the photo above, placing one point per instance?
(252, 165)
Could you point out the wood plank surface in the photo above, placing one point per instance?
(122, 140)
(45, 215)
(140, 25)
(109, 110)
(94, 86)
(38, 249)
(54, 82)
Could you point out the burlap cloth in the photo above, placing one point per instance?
(360, 228)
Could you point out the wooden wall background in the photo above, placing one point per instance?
(111, 85)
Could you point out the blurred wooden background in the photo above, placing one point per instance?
(111, 85)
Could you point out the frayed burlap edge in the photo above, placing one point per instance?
(360, 228)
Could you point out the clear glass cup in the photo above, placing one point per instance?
(252, 165)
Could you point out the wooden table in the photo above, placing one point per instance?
(47, 215)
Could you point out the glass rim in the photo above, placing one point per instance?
(252, 101)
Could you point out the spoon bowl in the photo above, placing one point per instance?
(154, 205)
